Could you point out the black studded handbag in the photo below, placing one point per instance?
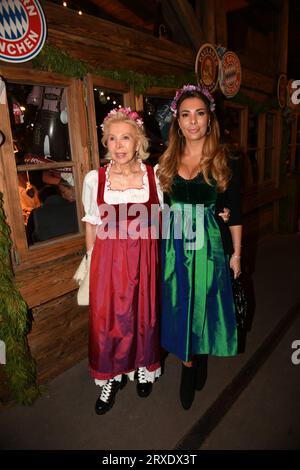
(240, 301)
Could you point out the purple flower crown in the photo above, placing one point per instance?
(127, 112)
(199, 89)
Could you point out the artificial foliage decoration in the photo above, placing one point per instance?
(20, 367)
(53, 59)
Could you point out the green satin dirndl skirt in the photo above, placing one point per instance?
(198, 312)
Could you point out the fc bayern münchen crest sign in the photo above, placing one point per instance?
(22, 30)
(230, 74)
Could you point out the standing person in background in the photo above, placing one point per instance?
(198, 312)
(124, 274)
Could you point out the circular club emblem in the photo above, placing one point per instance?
(207, 67)
(22, 30)
(230, 76)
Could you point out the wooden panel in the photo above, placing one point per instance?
(259, 197)
(47, 281)
(91, 111)
(283, 38)
(220, 22)
(24, 74)
(9, 184)
(59, 336)
(258, 223)
(161, 92)
(109, 83)
(79, 140)
(208, 21)
(189, 21)
(54, 249)
(256, 80)
(106, 44)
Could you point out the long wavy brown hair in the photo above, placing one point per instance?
(214, 161)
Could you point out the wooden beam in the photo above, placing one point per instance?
(220, 22)
(188, 20)
(111, 46)
(283, 37)
(124, 13)
(173, 23)
(209, 25)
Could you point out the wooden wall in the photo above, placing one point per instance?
(59, 335)
(111, 46)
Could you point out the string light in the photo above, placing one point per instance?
(79, 11)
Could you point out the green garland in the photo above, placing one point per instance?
(20, 367)
(52, 59)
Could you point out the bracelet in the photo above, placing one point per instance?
(235, 256)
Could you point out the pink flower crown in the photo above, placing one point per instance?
(127, 112)
(199, 89)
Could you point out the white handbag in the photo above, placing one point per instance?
(82, 277)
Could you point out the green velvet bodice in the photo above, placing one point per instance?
(194, 191)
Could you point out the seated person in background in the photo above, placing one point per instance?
(66, 190)
(57, 216)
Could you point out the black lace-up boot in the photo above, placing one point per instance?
(106, 399)
(187, 386)
(143, 387)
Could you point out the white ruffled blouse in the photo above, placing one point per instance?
(111, 196)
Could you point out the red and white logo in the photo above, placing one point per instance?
(22, 30)
(230, 75)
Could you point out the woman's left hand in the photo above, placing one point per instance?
(225, 215)
(235, 264)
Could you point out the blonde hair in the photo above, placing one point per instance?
(141, 137)
(214, 162)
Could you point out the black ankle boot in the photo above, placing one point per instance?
(187, 386)
(200, 364)
(143, 387)
(108, 394)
